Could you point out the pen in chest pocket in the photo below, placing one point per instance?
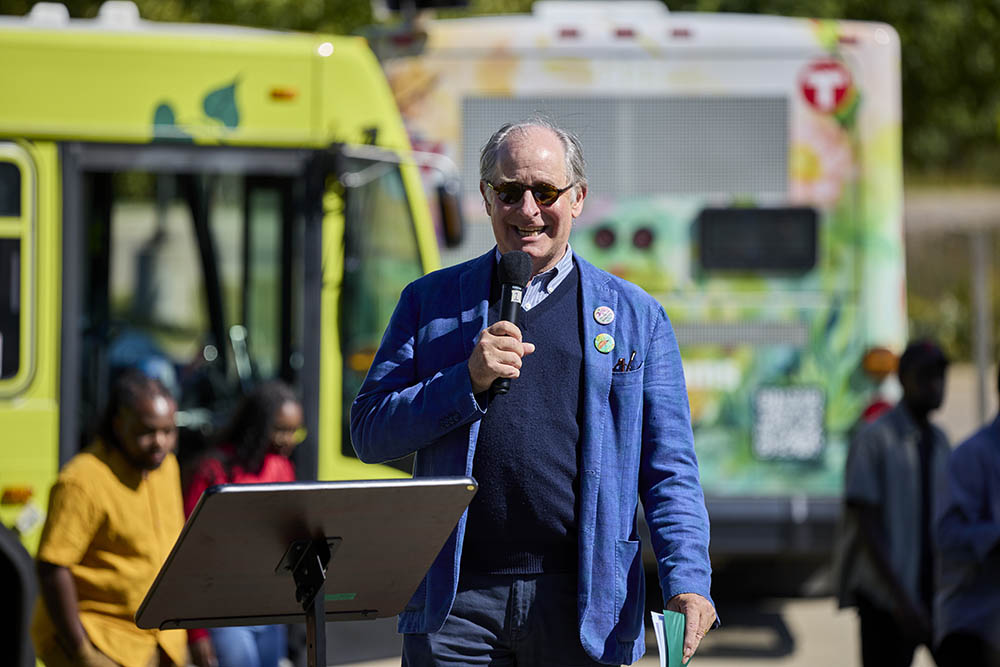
(631, 360)
(621, 365)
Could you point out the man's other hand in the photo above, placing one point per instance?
(497, 354)
(700, 616)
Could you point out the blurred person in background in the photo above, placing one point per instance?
(114, 514)
(968, 538)
(254, 447)
(896, 466)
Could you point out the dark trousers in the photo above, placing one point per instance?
(505, 621)
(883, 642)
(963, 649)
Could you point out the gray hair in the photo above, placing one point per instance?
(575, 165)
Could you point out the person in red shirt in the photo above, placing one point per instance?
(253, 448)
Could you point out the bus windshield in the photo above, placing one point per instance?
(380, 258)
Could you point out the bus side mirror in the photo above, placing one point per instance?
(452, 224)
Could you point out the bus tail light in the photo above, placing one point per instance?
(604, 237)
(879, 363)
(643, 238)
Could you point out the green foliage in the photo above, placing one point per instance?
(329, 16)
(950, 58)
(939, 292)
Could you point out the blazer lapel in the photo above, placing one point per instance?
(474, 294)
(596, 384)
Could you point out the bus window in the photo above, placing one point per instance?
(10, 305)
(262, 301)
(273, 278)
(380, 258)
(156, 309)
(10, 190)
(775, 240)
(16, 244)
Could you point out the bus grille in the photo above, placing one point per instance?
(728, 146)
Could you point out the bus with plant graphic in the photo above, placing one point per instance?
(217, 205)
(746, 171)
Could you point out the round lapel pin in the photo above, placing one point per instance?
(604, 343)
(604, 315)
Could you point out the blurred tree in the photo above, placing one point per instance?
(331, 16)
(950, 63)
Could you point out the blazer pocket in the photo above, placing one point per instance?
(626, 378)
(625, 400)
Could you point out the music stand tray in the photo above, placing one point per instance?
(256, 554)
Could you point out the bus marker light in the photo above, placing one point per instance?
(16, 495)
(284, 94)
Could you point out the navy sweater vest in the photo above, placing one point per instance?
(523, 520)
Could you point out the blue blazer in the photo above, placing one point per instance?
(635, 443)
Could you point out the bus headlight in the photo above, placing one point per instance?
(788, 423)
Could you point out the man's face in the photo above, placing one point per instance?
(533, 157)
(146, 431)
(923, 387)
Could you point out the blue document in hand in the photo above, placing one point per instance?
(669, 630)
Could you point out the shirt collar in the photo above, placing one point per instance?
(545, 279)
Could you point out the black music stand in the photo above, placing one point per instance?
(256, 554)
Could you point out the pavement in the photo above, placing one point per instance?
(800, 632)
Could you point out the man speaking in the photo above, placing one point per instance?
(545, 568)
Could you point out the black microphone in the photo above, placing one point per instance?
(514, 272)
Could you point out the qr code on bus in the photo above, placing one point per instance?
(788, 423)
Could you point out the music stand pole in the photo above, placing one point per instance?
(308, 561)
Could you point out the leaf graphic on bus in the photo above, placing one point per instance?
(165, 126)
(221, 105)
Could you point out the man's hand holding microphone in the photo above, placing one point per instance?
(496, 359)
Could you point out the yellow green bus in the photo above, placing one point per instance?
(218, 205)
